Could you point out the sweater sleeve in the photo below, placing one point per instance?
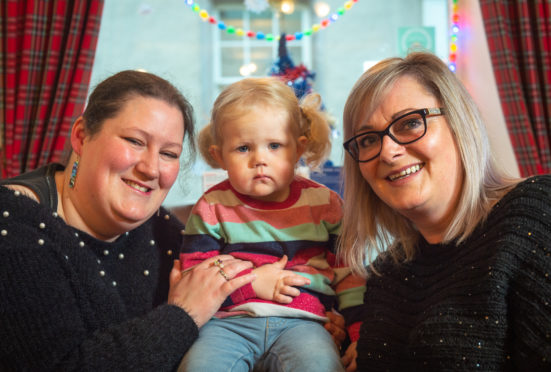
(530, 292)
(46, 318)
(350, 295)
(349, 288)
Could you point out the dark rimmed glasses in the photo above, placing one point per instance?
(403, 130)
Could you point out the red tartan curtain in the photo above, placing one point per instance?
(519, 39)
(47, 51)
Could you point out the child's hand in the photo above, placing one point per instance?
(349, 358)
(274, 283)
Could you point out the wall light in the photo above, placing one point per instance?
(322, 9)
(287, 6)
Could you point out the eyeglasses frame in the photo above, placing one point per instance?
(424, 112)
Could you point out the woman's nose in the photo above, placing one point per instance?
(390, 149)
(149, 165)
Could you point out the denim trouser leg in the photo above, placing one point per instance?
(298, 345)
(275, 344)
(230, 344)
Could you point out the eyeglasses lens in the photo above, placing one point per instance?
(403, 131)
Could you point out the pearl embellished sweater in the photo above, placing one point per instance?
(484, 305)
(71, 302)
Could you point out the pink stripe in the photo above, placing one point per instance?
(354, 331)
(304, 301)
(188, 260)
(279, 219)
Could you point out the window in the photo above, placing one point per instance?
(168, 38)
(238, 56)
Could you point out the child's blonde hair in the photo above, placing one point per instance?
(305, 117)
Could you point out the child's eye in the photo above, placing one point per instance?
(275, 146)
(243, 148)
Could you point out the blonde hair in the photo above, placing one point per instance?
(368, 223)
(305, 117)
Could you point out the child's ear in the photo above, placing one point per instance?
(302, 141)
(216, 153)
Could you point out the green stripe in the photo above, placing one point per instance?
(351, 297)
(260, 231)
(195, 226)
(318, 283)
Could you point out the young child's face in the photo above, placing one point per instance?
(259, 152)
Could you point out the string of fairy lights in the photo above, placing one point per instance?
(297, 35)
(321, 25)
(454, 31)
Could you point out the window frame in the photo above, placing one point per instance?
(248, 44)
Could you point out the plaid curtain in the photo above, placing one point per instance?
(47, 51)
(519, 39)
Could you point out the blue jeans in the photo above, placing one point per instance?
(262, 344)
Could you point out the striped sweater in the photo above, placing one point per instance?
(304, 227)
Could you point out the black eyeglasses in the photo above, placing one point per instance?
(403, 130)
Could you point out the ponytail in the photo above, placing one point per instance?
(314, 124)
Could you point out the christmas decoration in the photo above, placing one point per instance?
(453, 38)
(257, 4)
(297, 77)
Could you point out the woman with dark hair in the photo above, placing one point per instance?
(89, 279)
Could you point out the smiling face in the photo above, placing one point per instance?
(421, 180)
(259, 152)
(128, 167)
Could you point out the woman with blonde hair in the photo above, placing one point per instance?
(461, 278)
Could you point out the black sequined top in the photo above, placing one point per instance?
(484, 305)
(69, 301)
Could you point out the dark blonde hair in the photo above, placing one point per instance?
(369, 225)
(305, 117)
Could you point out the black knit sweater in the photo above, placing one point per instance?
(71, 302)
(484, 305)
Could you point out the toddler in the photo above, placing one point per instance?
(266, 214)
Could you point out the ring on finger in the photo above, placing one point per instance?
(224, 274)
(218, 262)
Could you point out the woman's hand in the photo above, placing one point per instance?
(274, 283)
(203, 288)
(336, 327)
(349, 358)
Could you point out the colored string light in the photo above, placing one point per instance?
(298, 35)
(452, 58)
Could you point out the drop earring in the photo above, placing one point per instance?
(74, 173)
